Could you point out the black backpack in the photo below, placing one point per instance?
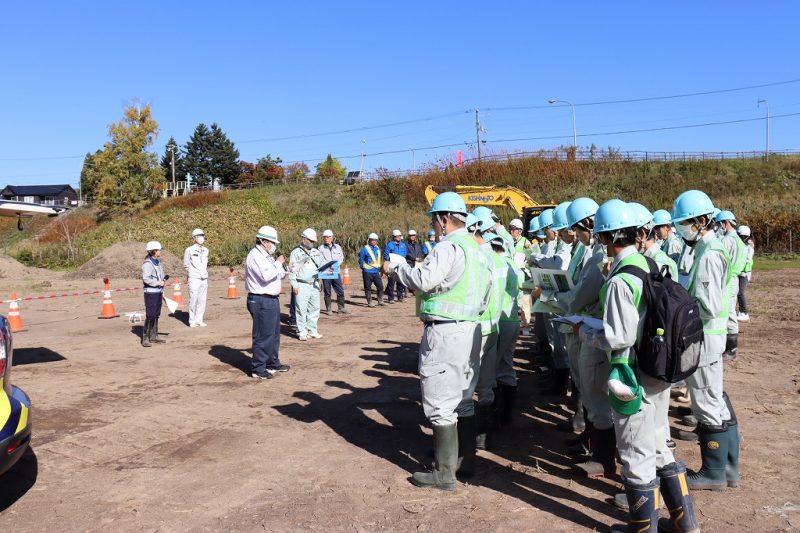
(669, 307)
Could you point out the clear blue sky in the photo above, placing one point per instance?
(267, 70)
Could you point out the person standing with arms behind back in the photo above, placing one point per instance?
(394, 288)
(263, 279)
(747, 272)
(195, 261)
(332, 252)
(154, 279)
(370, 262)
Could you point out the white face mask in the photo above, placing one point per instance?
(688, 232)
(200, 239)
(269, 247)
(720, 232)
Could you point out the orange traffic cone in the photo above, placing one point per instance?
(108, 310)
(14, 318)
(177, 295)
(346, 276)
(232, 292)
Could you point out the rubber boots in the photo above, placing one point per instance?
(731, 346)
(368, 295)
(341, 306)
(604, 454)
(154, 332)
(734, 444)
(466, 446)
(380, 297)
(146, 332)
(679, 503)
(327, 310)
(483, 426)
(643, 507)
(506, 396)
(443, 477)
(714, 454)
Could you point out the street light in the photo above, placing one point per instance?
(363, 156)
(574, 130)
(766, 104)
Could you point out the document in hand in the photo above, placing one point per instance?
(551, 279)
(574, 320)
(396, 259)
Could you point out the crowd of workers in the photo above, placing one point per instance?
(475, 285)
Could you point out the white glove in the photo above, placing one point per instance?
(620, 390)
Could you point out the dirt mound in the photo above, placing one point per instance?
(124, 261)
(10, 268)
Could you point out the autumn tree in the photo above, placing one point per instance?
(296, 171)
(330, 169)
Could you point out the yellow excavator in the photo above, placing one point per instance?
(494, 196)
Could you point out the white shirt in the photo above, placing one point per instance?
(195, 261)
(263, 273)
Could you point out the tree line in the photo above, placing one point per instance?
(126, 175)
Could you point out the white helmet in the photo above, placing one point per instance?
(309, 234)
(515, 224)
(744, 231)
(327, 233)
(197, 232)
(397, 233)
(373, 236)
(269, 233)
(152, 245)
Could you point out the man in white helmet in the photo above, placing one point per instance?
(332, 252)
(369, 260)
(304, 263)
(521, 244)
(153, 279)
(195, 261)
(263, 279)
(395, 289)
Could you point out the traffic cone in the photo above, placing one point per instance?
(14, 318)
(108, 310)
(346, 276)
(177, 296)
(232, 293)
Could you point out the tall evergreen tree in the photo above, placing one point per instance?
(197, 162)
(224, 157)
(166, 161)
(211, 157)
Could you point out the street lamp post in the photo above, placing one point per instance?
(363, 156)
(413, 160)
(574, 130)
(766, 104)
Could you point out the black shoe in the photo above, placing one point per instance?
(261, 375)
(280, 368)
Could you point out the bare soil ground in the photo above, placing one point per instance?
(177, 437)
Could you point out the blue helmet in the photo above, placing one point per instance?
(546, 219)
(641, 214)
(580, 209)
(472, 222)
(725, 215)
(533, 226)
(613, 215)
(484, 214)
(560, 217)
(431, 233)
(489, 236)
(662, 218)
(448, 202)
(691, 204)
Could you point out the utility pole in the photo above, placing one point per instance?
(171, 149)
(478, 131)
(766, 103)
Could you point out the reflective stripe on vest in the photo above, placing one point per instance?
(576, 262)
(740, 257)
(718, 325)
(463, 301)
(374, 262)
(639, 261)
(491, 316)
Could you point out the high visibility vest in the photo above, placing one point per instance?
(639, 261)
(463, 301)
(717, 325)
(427, 247)
(510, 308)
(740, 256)
(374, 262)
(576, 261)
(491, 316)
(748, 264)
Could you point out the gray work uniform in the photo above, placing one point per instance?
(662, 259)
(707, 286)
(447, 346)
(560, 260)
(195, 262)
(509, 326)
(729, 241)
(483, 381)
(641, 441)
(673, 246)
(685, 262)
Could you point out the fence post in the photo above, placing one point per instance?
(791, 247)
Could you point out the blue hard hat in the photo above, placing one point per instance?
(489, 236)
(613, 215)
(641, 214)
(448, 202)
(431, 233)
(662, 217)
(560, 217)
(725, 215)
(471, 221)
(484, 214)
(691, 204)
(533, 227)
(546, 219)
(579, 209)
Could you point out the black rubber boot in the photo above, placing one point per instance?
(643, 504)
(154, 333)
(327, 310)
(146, 333)
(508, 398)
(714, 454)
(368, 295)
(466, 446)
(380, 297)
(678, 500)
(483, 426)
(734, 444)
(731, 347)
(604, 455)
(443, 477)
(340, 304)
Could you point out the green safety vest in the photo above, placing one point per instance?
(739, 260)
(718, 325)
(374, 262)
(639, 261)
(661, 259)
(576, 261)
(510, 307)
(748, 264)
(491, 316)
(463, 301)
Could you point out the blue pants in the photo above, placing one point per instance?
(337, 287)
(152, 305)
(373, 278)
(394, 288)
(266, 314)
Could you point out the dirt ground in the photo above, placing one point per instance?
(178, 438)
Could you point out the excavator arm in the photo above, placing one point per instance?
(494, 195)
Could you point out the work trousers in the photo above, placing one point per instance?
(506, 343)
(466, 405)
(307, 307)
(706, 384)
(741, 296)
(488, 368)
(152, 305)
(593, 373)
(557, 342)
(372, 278)
(733, 322)
(524, 300)
(198, 294)
(641, 441)
(394, 288)
(266, 314)
(445, 351)
(337, 287)
(572, 343)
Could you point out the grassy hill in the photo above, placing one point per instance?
(764, 195)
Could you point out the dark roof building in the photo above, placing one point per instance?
(41, 194)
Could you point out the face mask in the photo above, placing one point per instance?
(688, 233)
(269, 247)
(306, 245)
(720, 232)
(200, 239)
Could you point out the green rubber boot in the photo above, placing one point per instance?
(734, 444)
(443, 477)
(679, 502)
(714, 454)
(643, 507)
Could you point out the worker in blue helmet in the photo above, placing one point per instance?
(670, 243)
(453, 287)
(647, 242)
(738, 251)
(427, 246)
(648, 466)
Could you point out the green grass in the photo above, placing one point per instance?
(768, 263)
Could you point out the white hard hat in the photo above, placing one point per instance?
(744, 231)
(197, 231)
(152, 245)
(373, 236)
(309, 234)
(396, 233)
(516, 223)
(412, 232)
(327, 233)
(269, 233)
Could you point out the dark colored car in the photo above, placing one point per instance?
(15, 407)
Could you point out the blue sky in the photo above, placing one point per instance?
(265, 70)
